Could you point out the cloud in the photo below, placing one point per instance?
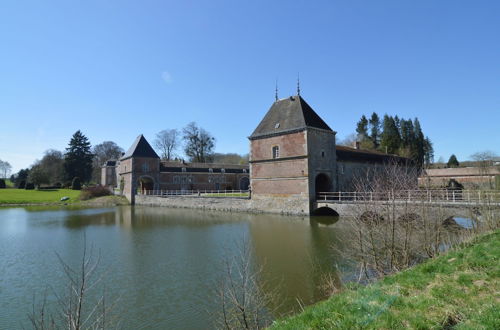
(167, 77)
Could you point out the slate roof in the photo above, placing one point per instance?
(287, 115)
(140, 148)
(351, 154)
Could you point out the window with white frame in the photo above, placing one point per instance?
(276, 152)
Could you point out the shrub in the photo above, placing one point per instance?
(29, 186)
(92, 192)
(2, 184)
(76, 183)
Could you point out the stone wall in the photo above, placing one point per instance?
(295, 205)
(322, 158)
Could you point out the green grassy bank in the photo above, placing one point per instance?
(458, 290)
(22, 196)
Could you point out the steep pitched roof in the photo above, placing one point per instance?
(290, 114)
(140, 148)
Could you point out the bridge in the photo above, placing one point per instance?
(455, 202)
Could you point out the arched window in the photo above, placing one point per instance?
(276, 152)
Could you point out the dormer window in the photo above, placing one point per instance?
(210, 170)
(223, 170)
(277, 125)
(276, 152)
(183, 169)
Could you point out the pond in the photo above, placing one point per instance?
(161, 265)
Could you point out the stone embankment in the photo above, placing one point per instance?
(280, 205)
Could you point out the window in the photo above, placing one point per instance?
(341, 169)
(223, 170)
(244, 170)
(145, 167)
(210, 170)
(276, 152)
(322, 153)
(183, 169)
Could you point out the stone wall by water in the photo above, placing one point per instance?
(280, 205)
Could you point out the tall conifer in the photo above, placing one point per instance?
(78, 158)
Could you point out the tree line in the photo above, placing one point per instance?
(197, 144)
(394, 135)
(80, 163)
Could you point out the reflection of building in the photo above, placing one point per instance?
(140, 169)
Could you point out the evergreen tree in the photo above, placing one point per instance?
(418, 149)
(453, 161)
(429, 151)
(78, 158)
(390, 139)
(362, 127)
(375, 129)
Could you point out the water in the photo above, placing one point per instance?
(161, 264)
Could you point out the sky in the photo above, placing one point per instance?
(115, 69)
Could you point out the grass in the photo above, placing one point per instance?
(458, 290)
(22, 196)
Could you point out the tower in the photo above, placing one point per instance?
(139, 169)
(292, 156)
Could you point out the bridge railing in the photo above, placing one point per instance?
(434, 195)
(195, 193)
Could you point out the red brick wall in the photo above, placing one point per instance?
(290, 145)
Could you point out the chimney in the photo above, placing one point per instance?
(357, 145)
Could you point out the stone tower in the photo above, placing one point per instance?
(292, 156)
(139, 169)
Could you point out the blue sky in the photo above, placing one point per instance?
(116, 69)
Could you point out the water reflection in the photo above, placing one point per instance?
(162, 263)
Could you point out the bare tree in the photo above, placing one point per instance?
(75, 310)
(198, 143)
(484, 161)
(5, 169)
(243, 299)
(167, 142)
(107, 150)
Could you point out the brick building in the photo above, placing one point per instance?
(140, 169)
(293, 156)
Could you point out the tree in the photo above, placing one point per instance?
(198, 143)
(390, 140)
(362, 128)
(167, 141)
(78, 158)
(52, 164)
(375, 129)
(453, 161)
(429, 151)
(38, 176)
(484, 160)
(19, 179)
(5, 169)
(230, 158)
(107, 150)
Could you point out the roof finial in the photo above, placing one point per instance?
(298, 84)
(276, 90)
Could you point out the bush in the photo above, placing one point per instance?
(93, 192)
(2, 184)
(29, 186)
(21, 184)
(76, 184)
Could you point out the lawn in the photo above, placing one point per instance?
(22, 196)
(459, 290)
